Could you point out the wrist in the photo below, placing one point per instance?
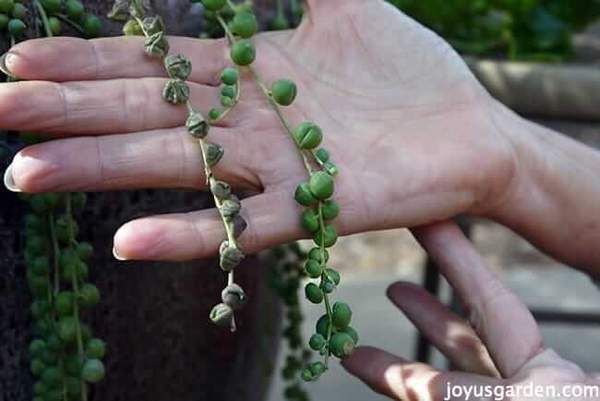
(552, 198)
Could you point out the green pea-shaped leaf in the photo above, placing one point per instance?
(304, 196)
(326, 237)
(321, 185)
(93, 371)
(310, 220)
(230, 76)
(313, 293)
(341, 345)
(243, 52)
(244, 24)
(308, 135)
(342, 315)
(284, 92)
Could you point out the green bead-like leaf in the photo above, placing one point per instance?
(313, 268)
(197, 126)
(19, 11)
(341, 345)
(64, 303)
(55, 26)
(326, 236)
(92, 26)
(230, 76)
(323, 155)
(230, 256)
(317, 342)
(89, 295)
(37, 347)
(321, 185)
(310, 221)
(178, 66)
(176, 91)
(243, 52)
(214, 5)
(221, 315)
(220, 189)
(352, 333)
(74, 9)
(323, 326)
(95, 348)
(67, 329)
(284, 92)
(244, 24)
(4, 21)
(16, 27)
(214, 114)
(304, 196)
(51, 6)
(330, 209)
(229, 91)
(313, 293)
(317, 254)
(333, 276)
(308, 135)
(342, 315)
(214, 153)
(234, 296)
(93, 371)
(157, 45)
(51, 376)
(6, 6)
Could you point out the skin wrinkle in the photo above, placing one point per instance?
(99, 162)
(60, 91)
(96, 59)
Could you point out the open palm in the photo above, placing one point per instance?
(403, 118)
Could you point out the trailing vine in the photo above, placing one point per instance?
(285, 278)
(176, 91)
(64, 356)
(334, 336)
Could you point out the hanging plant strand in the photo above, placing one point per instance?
(334, 336)
(177, 92)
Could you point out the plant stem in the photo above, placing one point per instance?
(75, 284)
(56, 253)
(267, 94)
(324, 277)
(44, 18)
(305, 160)
(69, 21)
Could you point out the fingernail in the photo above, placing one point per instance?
(5, 61)
(116, 254)
(9, 181)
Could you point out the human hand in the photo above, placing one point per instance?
(499, 347)
(404, 119)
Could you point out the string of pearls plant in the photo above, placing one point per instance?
(64, 356)
(286, 274)
(176, 91)
(334, 336)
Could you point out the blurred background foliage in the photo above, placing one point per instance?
(538, 30)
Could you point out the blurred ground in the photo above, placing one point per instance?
(372, 261)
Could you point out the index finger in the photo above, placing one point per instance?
(72, 59)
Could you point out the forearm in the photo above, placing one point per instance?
(554, 199)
